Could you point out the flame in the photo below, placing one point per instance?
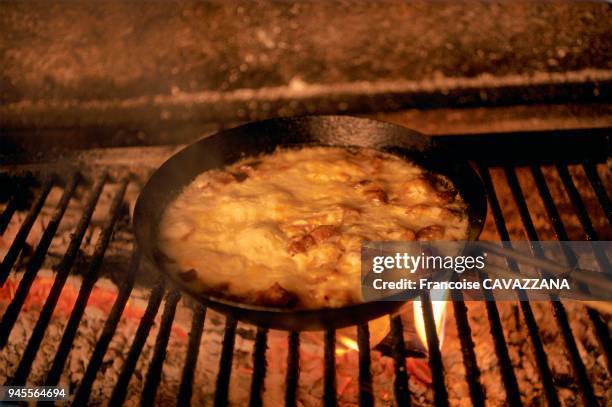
(439, 312)
(346, 338)
(349, 344)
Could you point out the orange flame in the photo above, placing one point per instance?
(346, 338)
(344, 344)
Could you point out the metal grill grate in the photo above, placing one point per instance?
(159, 291)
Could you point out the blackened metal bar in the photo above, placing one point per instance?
(293, 369)
(13, 252)
(501, 348)
(553, 214)
(62, 270)
(329, 369)
(549, 203)
(472, 371)
(570, 343)
(259, 367)
(496, 329)
(540, 353)
(120, 390)
(603, 334)
(225, 363)
(89, 280)
(191, 359)
(400, 383)
(153, 376)
(14, 308)
(530, 321)
(576, 201)
(8, 212)
(435, 357)
(601, 330)
(366, 395)
(110, 326)
(519, 200)
(558, 308)
(602, 195)
(582, 214)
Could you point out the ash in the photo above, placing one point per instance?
(310, 390)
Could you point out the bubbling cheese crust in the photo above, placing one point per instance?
(285, 229)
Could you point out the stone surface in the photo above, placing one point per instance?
(84, 63)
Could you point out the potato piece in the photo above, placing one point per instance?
(433, 232)
(377, 195)
(323, 232)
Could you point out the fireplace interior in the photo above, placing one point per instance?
(80, 310)
(94, 96)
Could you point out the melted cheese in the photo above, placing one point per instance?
(286, 229)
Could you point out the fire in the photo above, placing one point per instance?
(348, 343)
(346, 338)
(439, 312)
(100, 298)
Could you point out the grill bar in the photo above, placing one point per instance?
(153, 376)
(558, 308)
(540, 353)
(11, 256)
(501, 349)
(120, 390)
(329, 371)
(576, 200)
(549, 205)
(191, 359)
(84, 292)
(259, 367)
(14, 308)
(532, 327)
(225, 363)
(580, 371)
(582, 213)
(598, 187)
(435, 357)
(110, 326)
(366, 396)
(400, 383)
(293, 369)
(603, 336)
(601, 328)
(62, 270)
(472, 371)
(496, 329)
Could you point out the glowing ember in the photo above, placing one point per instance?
(100, 298)
(419, 369)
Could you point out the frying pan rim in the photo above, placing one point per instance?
(475, 221)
